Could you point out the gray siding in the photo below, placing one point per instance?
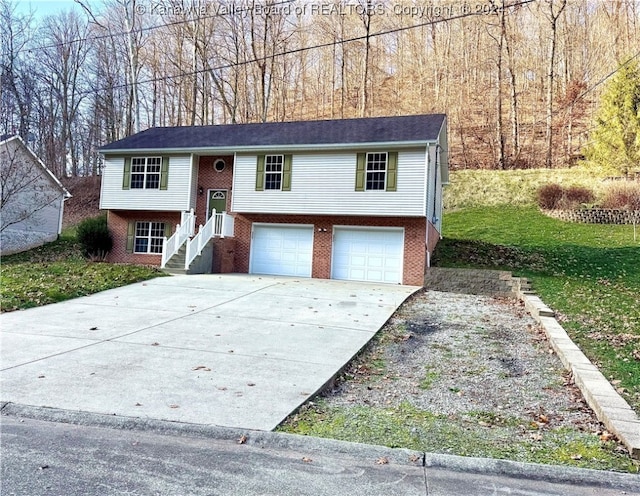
(37, 201)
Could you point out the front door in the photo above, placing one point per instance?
(217, 201)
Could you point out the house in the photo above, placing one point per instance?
(356, 199)
(32, 198)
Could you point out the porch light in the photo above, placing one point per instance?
(200, 190)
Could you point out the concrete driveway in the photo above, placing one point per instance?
(230, 350)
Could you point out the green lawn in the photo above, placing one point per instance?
(589, 274)
(56, 272)
(406, 426)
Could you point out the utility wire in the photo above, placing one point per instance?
(587, 91)
(305, 49)
(235, 10)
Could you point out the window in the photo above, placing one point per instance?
(218, 166)
(273, 165)
(273, 172)
(149, 237)
(376, 171)
(145, 172)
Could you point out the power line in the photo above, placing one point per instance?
(586, 91)
(235, 10)
(304, 49)
(602, 80)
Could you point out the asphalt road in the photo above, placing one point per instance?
(53, 458)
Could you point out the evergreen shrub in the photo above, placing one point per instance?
(94, 237)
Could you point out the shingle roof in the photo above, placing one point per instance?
(5, 137)
(412, 128)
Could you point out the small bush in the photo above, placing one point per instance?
(94, 237)
(554, 196)
(549, 196)
(622, 195)
(574, 196)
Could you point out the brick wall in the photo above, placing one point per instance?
(118, 222)
(434, 237)
(414, 242)
(208, 179)
(223, 255)
(595, 215)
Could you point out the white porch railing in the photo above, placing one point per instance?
(184, 231)
(219, 224)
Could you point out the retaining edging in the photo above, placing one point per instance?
(471, 281)
(596, 215)
(610, 408)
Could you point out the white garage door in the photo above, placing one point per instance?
(281, 250)
(368, 254)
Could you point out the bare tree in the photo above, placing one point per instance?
(499, 40)
(17, 84)
(62, 64)
(555, 8)
(366, 15)
(253, 61)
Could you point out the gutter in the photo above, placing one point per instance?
(231, 150)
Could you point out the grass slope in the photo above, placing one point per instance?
(589, 274)
(471, 188)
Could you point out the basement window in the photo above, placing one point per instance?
(149, 237)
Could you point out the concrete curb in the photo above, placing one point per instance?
(331, 447)
(612, 410)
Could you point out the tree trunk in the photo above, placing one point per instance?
(553, 15)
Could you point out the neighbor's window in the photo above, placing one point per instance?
(145, 172)
(376, 171)
(149, 237)
(273, 165)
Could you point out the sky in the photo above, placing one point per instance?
(42, 8)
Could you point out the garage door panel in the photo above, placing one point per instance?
(282, 250)
(376, 262)
(374, 255)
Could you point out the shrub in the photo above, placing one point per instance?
(622, 195)
(574, 196)
(554, 196)
(94, 237)
(549, 196)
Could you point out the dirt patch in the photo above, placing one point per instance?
(85, 200)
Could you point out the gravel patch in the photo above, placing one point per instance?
(468, 357)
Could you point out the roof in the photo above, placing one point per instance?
(324, 133)
(6, 138)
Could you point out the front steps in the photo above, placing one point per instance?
(202, 264)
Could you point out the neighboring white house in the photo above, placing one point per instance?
(32, 198)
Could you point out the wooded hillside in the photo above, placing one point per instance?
(519, 79)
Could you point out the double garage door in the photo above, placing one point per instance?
(357, 254)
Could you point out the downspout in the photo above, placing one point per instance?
(427, 207)
(65, 197)
(435, 193)
(437, 171)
